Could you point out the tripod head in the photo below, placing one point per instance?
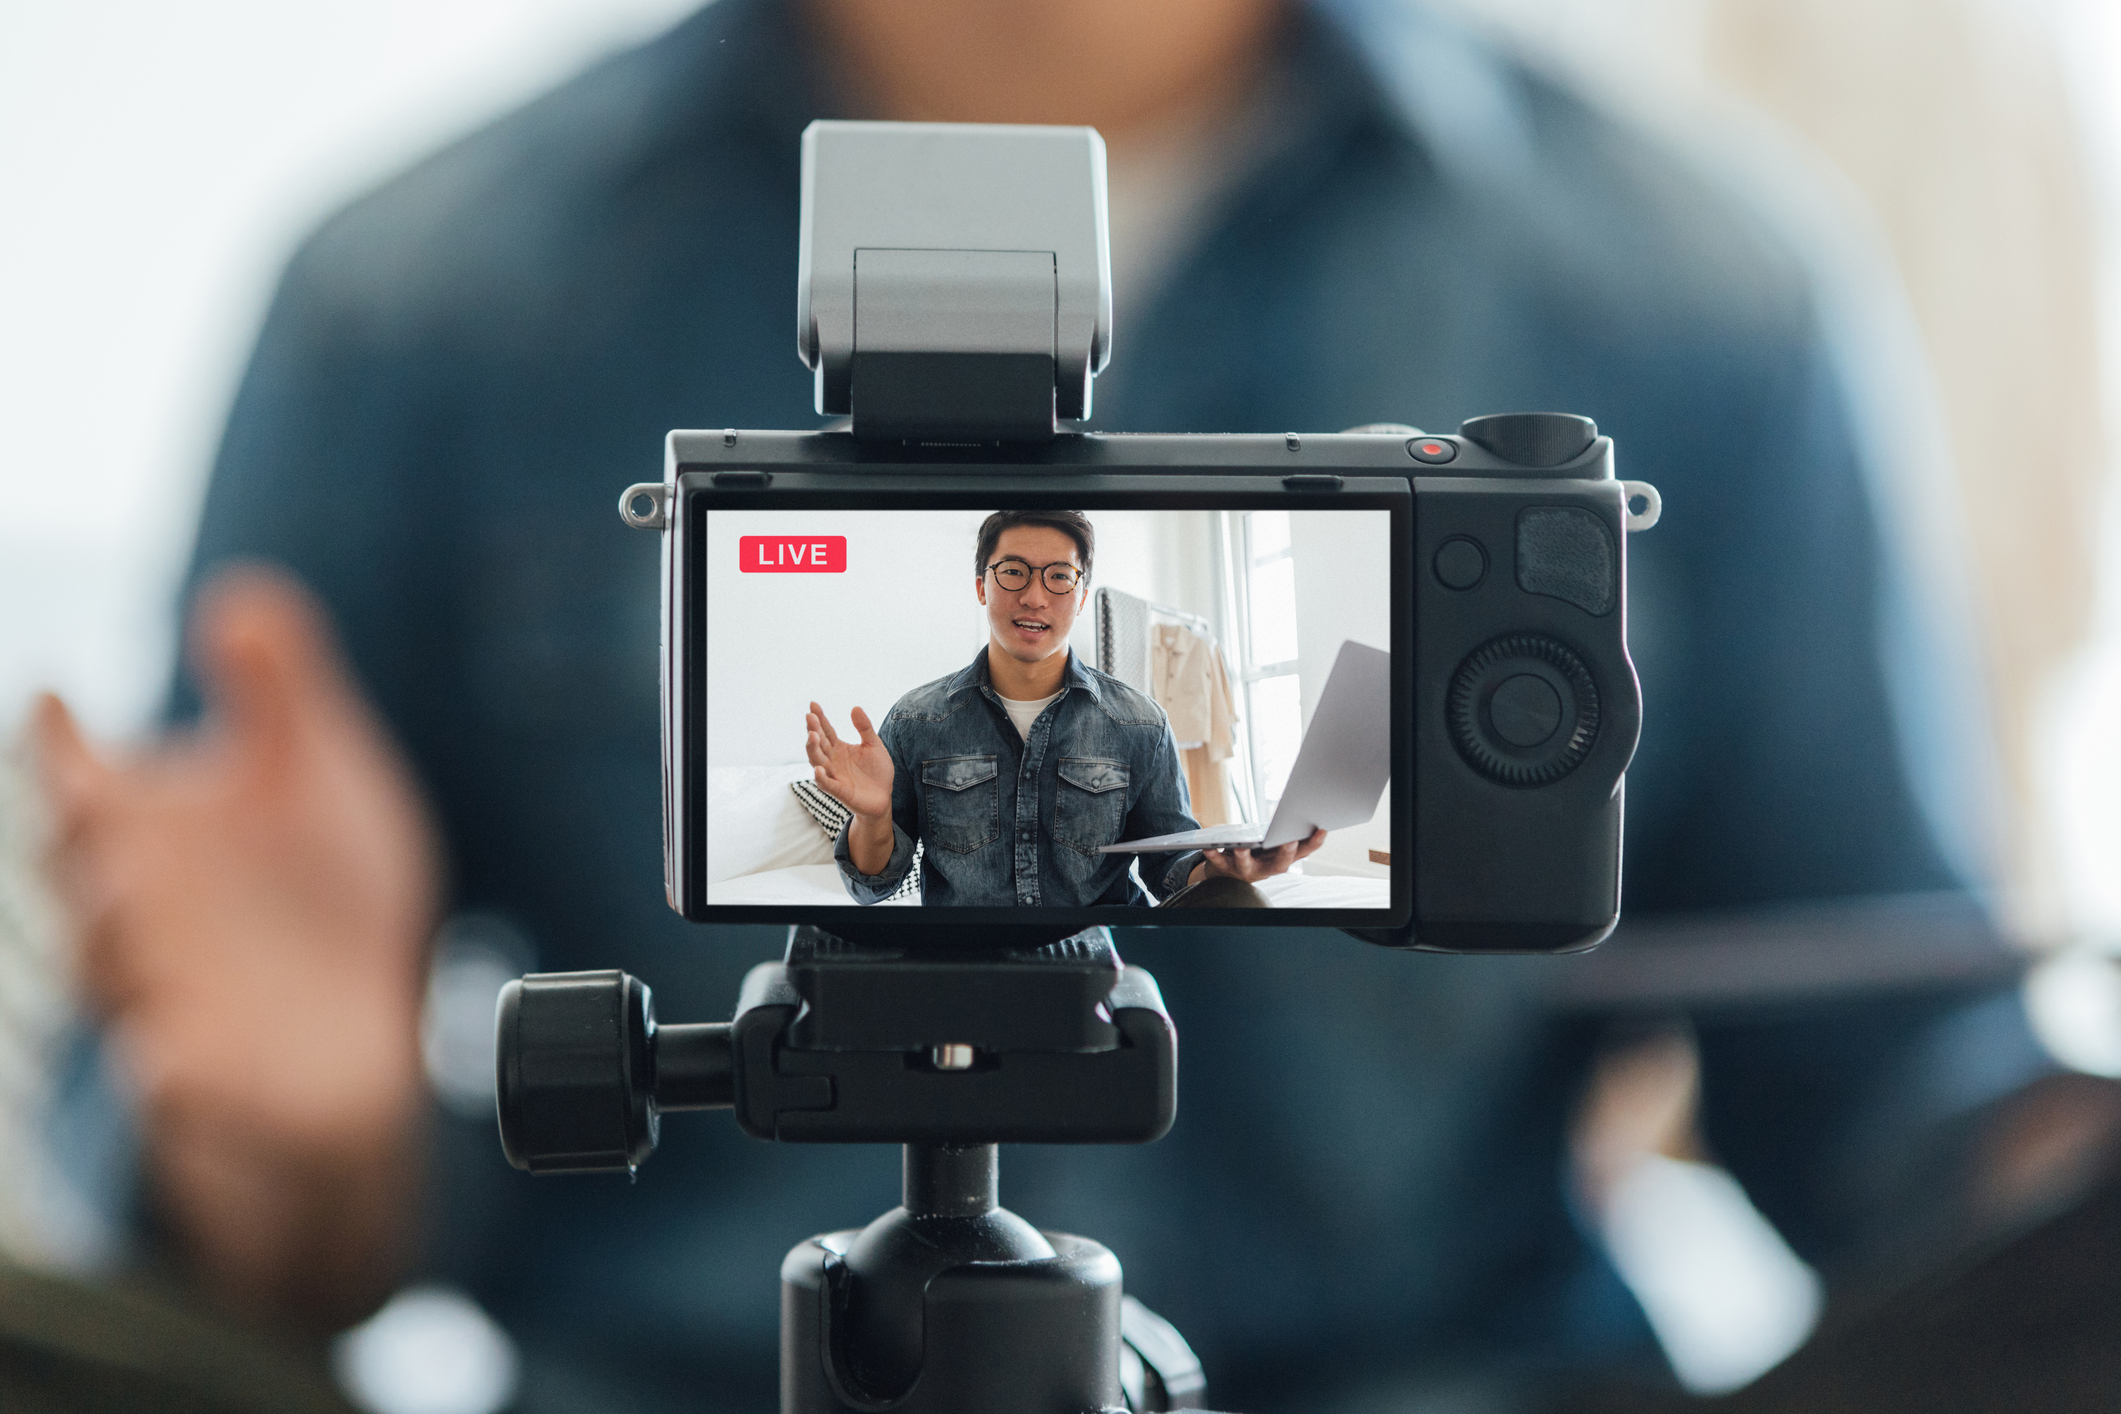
(948, 1302)
(844, 1043)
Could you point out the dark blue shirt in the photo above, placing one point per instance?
(1366, 1178)
(1014, 821)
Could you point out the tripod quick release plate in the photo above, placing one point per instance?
(841, 1043)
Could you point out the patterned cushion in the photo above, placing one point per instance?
(832, 817)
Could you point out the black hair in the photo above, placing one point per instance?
(1074, 523)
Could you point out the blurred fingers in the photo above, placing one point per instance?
(74, 778)
(267, 659)
(862, 726)
(81, 790)
(295, 753)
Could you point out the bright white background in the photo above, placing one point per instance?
(158, 162)
(902, 614)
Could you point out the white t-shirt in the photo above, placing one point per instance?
(1025, 713)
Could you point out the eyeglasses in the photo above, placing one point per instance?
(1015, 576)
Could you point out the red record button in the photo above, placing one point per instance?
(1431, 449)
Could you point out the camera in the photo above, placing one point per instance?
(1375, 680)
(1423, 637)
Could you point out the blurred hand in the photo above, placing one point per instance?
(1252, 865)
(857, 774)
(253, 903)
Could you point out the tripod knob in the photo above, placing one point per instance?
(575, 1066)
(584, 1073)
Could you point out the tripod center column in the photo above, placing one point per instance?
(951, 1180)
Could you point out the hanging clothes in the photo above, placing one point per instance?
(1190, 681)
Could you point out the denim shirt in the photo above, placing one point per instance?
(1016, 821)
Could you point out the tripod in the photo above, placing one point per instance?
(949, 1303)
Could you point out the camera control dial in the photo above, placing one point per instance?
(1523, 710)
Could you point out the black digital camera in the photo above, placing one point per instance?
(951, 656)
(1483, 576)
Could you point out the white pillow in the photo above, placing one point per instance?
(755, 823)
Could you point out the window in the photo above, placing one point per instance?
(1263, 582)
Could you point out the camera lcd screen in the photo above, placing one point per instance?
(1063, 708)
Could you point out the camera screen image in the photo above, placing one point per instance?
(1047, 708)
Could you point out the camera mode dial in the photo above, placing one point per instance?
(1523, 710)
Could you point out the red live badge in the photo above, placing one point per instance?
(792, 554)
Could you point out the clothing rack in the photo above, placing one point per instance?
(1123, 633)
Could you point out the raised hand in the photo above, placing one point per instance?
(252, 903)
(858, 774)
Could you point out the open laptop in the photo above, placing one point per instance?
(1341, 769)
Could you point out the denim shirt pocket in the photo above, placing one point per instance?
(962, 798)
(1090, 804)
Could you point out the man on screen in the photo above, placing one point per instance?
(1013, 772)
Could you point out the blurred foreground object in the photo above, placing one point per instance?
(252, 903)
(70, 1348)
(2024, 1324)
(1726, 1296)
(1726, 1299)
(430, 1350)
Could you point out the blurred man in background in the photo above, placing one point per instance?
(1323, 215)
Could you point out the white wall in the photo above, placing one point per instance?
(1166, 557)
(901, 615)
(1343, 591)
